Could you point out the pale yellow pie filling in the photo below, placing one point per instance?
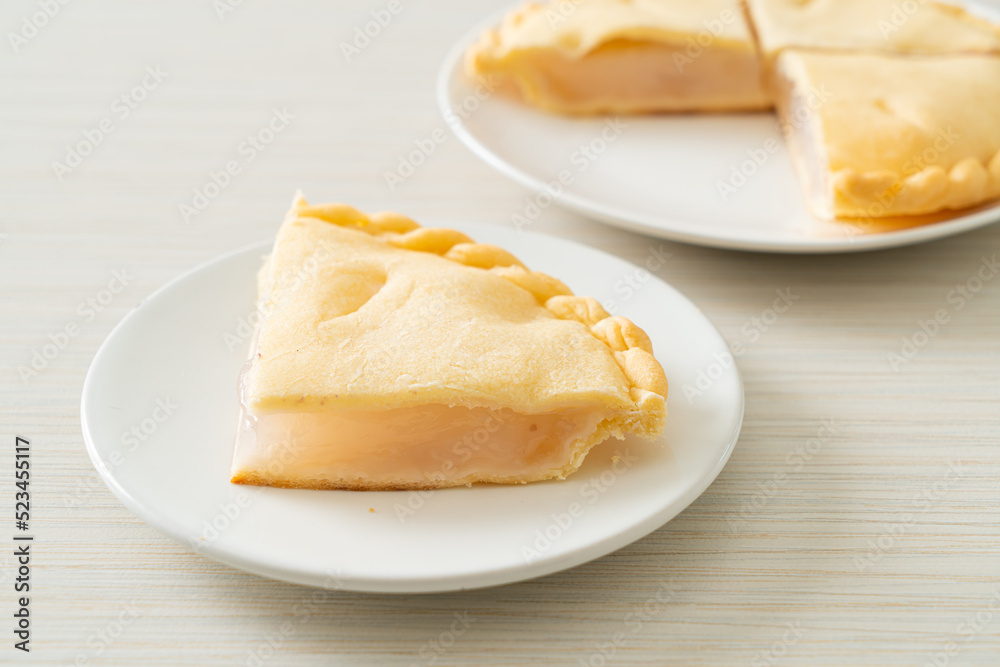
(628, 76)
(416, 447)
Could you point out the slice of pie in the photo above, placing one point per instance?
(890, 26)
(624, 56)
(393, 356)
(896, 135)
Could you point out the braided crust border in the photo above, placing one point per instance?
(629, 344)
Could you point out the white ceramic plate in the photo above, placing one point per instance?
(181, 350)
(660, 175)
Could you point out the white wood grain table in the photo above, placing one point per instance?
(858, 521)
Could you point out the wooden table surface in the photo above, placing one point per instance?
(856, 524)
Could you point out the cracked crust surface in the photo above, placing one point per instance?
(378, 312)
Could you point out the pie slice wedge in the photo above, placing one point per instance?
(918, 27)
(391, 356)
(893, 135)
(624, 56)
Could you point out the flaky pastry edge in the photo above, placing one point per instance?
(876, 193)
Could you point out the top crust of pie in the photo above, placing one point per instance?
(909, 134)
(919, 27)
(578, 28)
(376, 312)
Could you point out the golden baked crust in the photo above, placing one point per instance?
(377, 313)
(898, 135)
(900, 76)
(628, 56)
(520, 314)
(590, 24)
(891, 26)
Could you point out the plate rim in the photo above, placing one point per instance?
(513, 573)
(738, 241)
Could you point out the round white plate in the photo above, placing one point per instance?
(661, 175)
(160, 410)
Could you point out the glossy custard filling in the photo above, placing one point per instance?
(625, 75)
(400, 447)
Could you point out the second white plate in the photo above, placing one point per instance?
(160, 411)
(722, 180)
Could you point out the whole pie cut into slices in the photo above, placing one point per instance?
(895, 135)
(625, 56)
(392, 356)
(889, 26)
